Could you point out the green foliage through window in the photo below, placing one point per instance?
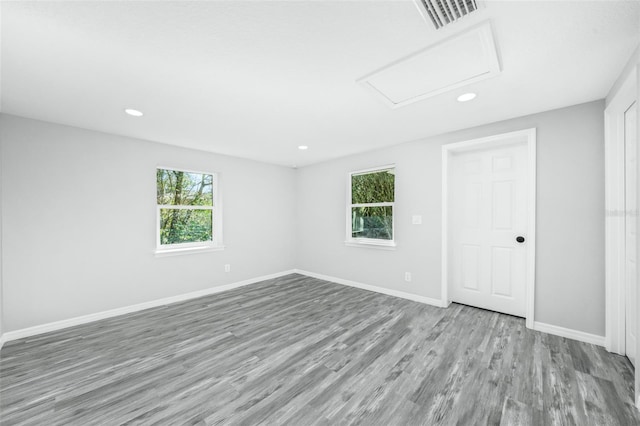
(372, 198)
(185, 226)
(192, 219)
(376, 187)
(178, 188)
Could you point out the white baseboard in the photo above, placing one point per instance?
(538, 326)
(414, 297)
(58, 325)
(580, 336)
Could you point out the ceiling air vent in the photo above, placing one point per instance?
(443, 12)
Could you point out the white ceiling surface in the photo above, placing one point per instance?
(257, 79)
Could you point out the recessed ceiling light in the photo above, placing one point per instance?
(303, 147)
(466, 97)
(134, 112)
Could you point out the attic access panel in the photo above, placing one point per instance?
(458, 61)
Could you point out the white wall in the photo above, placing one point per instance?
(1, 180)
(570, 216)
(629, 68)
(79, 222)
(637, 371)
(1, 220)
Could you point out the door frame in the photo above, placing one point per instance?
(614, 166)
(528, 137)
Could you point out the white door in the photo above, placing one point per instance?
(488, 214)
(631, 212)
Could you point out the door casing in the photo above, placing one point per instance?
(528, 137)
(615, 238)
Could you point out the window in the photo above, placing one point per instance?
(188, 217)
(371, 200)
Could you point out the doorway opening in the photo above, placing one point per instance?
(488, 214)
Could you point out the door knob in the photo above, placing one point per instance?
(520, 239)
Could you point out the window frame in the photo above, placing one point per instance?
(370, 242)
(216, 219)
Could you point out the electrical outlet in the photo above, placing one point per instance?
(407, 277)
(227, 268)
(416, 219)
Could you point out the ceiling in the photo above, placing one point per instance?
(257, 79)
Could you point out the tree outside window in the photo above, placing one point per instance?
(371, 209)
(185, 202)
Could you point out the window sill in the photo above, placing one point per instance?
(186, 250)
(390, 245)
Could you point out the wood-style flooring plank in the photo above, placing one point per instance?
(302, 351)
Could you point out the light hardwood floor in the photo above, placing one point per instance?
(301, 351)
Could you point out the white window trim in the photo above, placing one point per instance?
(187, 250)
(369, 242)
(216, 211)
